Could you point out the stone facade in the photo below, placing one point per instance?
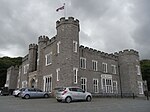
(11, 80)
(62, 61)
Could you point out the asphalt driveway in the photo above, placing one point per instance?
(12, 104)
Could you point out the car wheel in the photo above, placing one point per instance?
(88, 98)
(59, 100)
(27, 96)
(68, 99)
(46, 96)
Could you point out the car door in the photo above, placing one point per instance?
(39, 93)
(74, 93)
(81, 94)
(32, 92)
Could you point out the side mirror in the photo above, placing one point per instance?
(83, 91)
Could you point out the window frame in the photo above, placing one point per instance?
(49, 87)
(94, 65)
(58, 47)
(57, 74)
(24, 84)
(82, 63)
(138, 70)
(75, 74)
(140, 87)
(46, 59)
(25, 68)
(96, 86)
(75, 46)
(106, 83)
(115, 88)
(113, 69)
(104, 67)
(84, 85)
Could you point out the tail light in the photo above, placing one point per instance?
(64, 92)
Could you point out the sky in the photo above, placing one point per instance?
(106, 25)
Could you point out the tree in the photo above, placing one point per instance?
(145, 69)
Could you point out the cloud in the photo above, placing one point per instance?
(106, 25)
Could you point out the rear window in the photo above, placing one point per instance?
(61, 89)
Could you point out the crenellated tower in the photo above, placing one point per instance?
(128, 62)
(33, 57)
(68, 37)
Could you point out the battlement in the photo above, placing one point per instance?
(128, 52)
(51, 40)
(99, 53)
(25, 58)
(43, 38)
(70, 20)
(33, 46)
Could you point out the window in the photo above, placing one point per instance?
(48, 59)
(58, 47)
(107, 83)
(104, 67)
(95, 86)
(24, 84)
(75, 43)
(115, 87)
(84, 83)
(38, 61)
(94, 65)
(19, 73)
(75, 73)
(83, 63)
(138, 70)
(18, 83)
(140, 87)
(57, 73)
(113, 69)
(8, 77)
(48, 83)
(26, 67)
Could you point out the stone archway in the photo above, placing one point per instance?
(32, 83)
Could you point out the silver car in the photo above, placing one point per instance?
(33, 92)
(69, 94)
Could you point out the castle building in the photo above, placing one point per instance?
(62, 61)
(12, 78)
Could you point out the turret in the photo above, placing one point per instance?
(32, 57)
(128, 62)
(42, 41)
(68, 38)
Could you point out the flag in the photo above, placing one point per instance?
(61, 8)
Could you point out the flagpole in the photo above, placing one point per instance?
(64, 10)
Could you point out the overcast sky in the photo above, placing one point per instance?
(106, 25)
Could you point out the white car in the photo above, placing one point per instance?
(16, 92)
(69, 94)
